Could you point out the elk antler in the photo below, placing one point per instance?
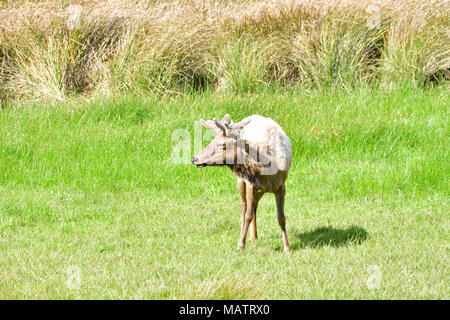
(229, 125)
(240, 124)
(218, 126)
(209, 124)
(225, 119)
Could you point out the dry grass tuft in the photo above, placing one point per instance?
(160, 47)
(227, 288)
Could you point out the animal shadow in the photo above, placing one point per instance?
(329, 236)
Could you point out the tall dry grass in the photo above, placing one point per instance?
(161, 47)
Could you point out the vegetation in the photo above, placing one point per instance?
(91, 184)
(50, 50)
(93, 206)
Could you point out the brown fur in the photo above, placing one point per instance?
(251, 183)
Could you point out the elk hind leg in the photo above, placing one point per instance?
(280, 195)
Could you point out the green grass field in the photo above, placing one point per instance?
(92, 205)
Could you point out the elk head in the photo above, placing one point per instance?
(223, 149)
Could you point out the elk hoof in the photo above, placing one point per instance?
(253, 238)
(287, 250)
(241, 246)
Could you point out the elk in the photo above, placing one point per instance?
(259, 153)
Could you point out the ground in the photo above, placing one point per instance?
(92, 205)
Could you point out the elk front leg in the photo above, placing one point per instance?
(253, 233)
(281, 218)
(248, 215)
(241, 187)
(256, 197)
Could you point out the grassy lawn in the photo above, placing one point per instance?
(92, 206)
